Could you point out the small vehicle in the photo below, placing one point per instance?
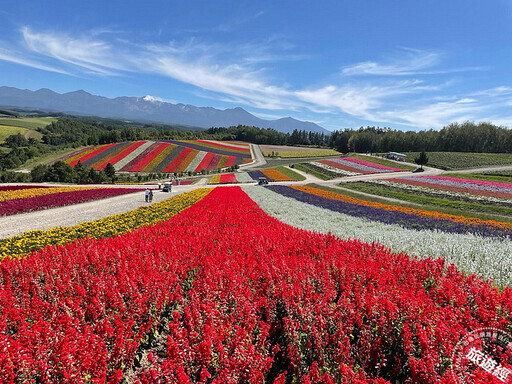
(167, 187)
(262, 180)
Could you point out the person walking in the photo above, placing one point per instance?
(146, 195)
(150, 196)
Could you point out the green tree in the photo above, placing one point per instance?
(422, 159)
(110, 171)
(38, 173)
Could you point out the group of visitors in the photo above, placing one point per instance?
(149, 195)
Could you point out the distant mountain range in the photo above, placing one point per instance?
(147, 109)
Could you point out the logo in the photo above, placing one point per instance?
(484, 355)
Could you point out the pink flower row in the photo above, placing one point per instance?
(370, 164)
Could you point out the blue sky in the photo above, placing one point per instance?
(402, 64)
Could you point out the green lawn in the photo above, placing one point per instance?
(27, 122)
(322, 174)
(462, 160)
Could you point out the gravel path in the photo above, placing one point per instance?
(74, 214)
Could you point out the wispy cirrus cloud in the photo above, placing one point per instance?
(237, 73)
(410, 62)
(95, 56)
(14, 57)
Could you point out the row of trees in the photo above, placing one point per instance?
(456, 137)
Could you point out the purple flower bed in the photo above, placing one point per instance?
(255, 175)
(405, 220)
(37, 203)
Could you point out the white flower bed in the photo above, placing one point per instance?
(121, 163)
(243, 177)
(196, 161)
(487, 257)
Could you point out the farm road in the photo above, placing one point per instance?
(259, 159)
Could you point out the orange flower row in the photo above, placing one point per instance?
(396, 208)
(275, 175)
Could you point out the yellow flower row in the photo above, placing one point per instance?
(16, 246)
(215, 179)
(33, 192)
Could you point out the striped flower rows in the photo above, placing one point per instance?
(475, 187)
(162, 156)
(229, 178)
(391, 214)
(224, 293)
(489, 257)
(352, 166)
(35, 191)
(435, 192)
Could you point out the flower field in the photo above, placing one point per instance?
(163, 156)
(224, 293)
(21, 200)
(230, 178)
(458, 185)
(349, 166)
(487, 256)
(327, 169)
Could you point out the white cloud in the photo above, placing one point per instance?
(94, 55)
(13, 58)
(412, 62)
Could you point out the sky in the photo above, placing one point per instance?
(342, 64)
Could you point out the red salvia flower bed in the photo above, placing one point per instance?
(223, 293)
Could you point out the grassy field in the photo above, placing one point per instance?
(46, 158)
(462, 160)
(387, 163)
(318, 172)
(8, 130)
(27, 122)
(459, 208)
